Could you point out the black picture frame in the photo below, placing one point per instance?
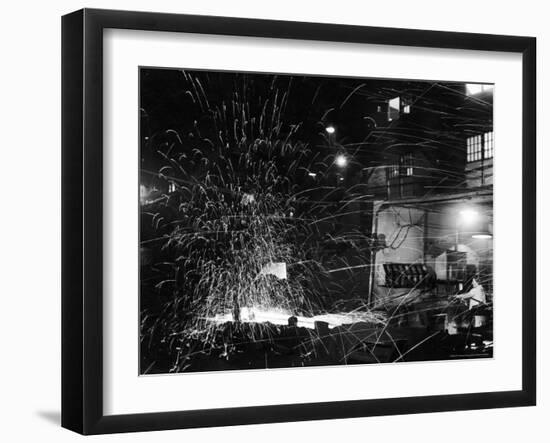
(82, 231)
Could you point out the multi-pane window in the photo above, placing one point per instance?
(401, 179)
(480, 147)
(474, 148)
(394, 171)
(408, 164)
(171, 187)
(398, 106)
(405, 167)
(489, 145)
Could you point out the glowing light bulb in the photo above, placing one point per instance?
(341, 160)
(468, 216)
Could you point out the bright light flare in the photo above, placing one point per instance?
(468, 216)
(330, 129)
(278, 269)
(341, 161)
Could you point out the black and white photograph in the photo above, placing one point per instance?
(291, 220)
(244, 221)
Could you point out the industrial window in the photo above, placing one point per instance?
(406, 104)
(474, 148)
(394, 107)
(408, 164)
(394, 171)
(398, 106)
(480, 147)
(489, 146)
(405, 168)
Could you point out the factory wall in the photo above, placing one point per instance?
(479, 173)
(423, 235)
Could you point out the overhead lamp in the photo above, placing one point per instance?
(469, 216)
(341, 160)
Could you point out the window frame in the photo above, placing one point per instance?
(480, 147)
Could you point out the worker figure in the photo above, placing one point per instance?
(474, 297)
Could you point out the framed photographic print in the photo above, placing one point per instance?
(270, 221)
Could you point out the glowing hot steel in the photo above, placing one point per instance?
(281, 317)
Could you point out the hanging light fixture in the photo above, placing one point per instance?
(471, 221)
(483, 229)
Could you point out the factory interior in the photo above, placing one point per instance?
(291, 221)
